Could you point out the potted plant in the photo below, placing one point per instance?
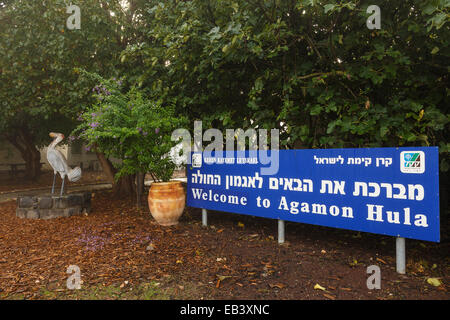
(137, 130)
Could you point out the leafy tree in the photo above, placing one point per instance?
(40, 89)
(310, 68)
(132, 128)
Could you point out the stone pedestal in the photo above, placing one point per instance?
(47, 206)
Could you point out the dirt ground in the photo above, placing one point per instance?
(123, 254)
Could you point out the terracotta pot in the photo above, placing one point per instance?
(166, 201)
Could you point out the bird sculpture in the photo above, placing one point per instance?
(59, 163)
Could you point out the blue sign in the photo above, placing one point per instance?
(390, 191)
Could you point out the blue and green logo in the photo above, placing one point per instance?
(412, 162)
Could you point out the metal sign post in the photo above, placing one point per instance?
(280, 231)
(400, 253)
(204, 218)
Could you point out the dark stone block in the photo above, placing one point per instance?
(49, 213)
(65, 212)
(45, 213)
(87, 197)
(27, 202)
(73, 211)
(75, 200)
(60, 202)
(21, 212)
(33, 214)
(45, 202)
(48, 207)
(87, 209)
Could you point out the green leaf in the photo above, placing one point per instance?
(429, 9)
(331, 126)
(315, 110)
(439, 20)
(329, 7)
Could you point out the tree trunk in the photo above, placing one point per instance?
(23, 142)
(33, 163)
(139, 188)
(107, 167)
(124, 186)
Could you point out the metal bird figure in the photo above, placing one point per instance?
(59, 163)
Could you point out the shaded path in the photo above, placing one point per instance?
(12, 195)
(7, 196)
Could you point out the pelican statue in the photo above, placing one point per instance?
(59, 163)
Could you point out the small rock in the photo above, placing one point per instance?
(150, 247)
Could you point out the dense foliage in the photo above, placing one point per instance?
(310, 68)
(129, 127)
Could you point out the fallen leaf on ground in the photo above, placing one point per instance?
(319, 287)
(381, 260)
(277, 285)
(221, 278)
(346, 289)
(329, 296)
(353, 263)
(434, 282)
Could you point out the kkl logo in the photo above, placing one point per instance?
(412, 162)
(257, 142)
